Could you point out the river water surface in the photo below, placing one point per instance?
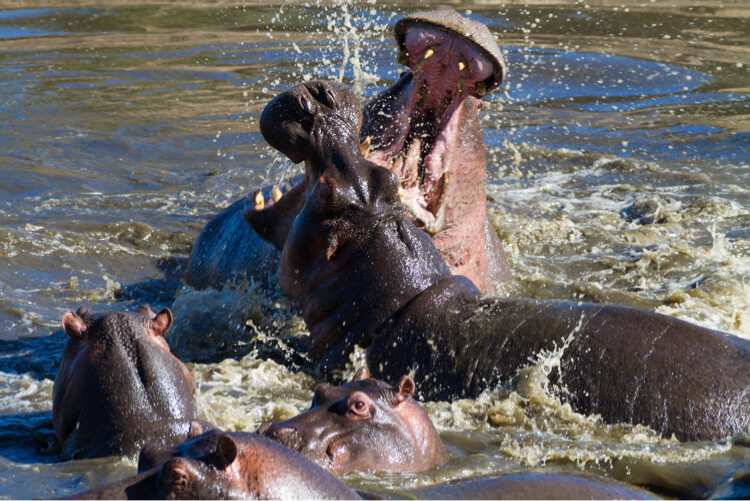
(618, 171)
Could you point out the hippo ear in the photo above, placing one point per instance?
(83, 311)
(73, 325)
(175, 479)
(362, 373)
(226, 452)
(161, 323)
(406, 388)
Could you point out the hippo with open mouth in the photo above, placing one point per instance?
(426, 130)
(365, 275)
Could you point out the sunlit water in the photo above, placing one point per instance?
(618, 172)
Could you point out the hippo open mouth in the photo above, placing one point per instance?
(425, 129)
(419, 126)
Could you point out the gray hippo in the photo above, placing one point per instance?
(364, 274)
(118, 386)
(425, 129)
(364, 425)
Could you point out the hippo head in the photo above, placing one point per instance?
(251, 465)
(118, 384)
(314, 122)
(205, 478)
(350, 233)
(364, 425)
(197, 469)
(302, 122)
(427, 131)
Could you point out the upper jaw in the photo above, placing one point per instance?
(419, 123)
(418, 142)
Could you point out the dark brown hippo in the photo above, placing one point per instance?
(255, 467)
(426, 129)
(364, 425)
(118, 386)
(364, 275)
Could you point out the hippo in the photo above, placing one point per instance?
(221, 465)
(364, 274)
(530, 485)
(426, 129)
(118, 386)
(254, 466)
(363, 425)
(178, 478)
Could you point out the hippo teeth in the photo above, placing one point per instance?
(260, 202)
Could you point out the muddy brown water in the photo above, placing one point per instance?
(619, 154)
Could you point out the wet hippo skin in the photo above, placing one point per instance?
(254, 466)
(364, 274)
(426, 129)
(178, 478)
(364, 425)
(529, 485)
(118, 386)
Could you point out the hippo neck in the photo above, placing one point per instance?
(346, 298)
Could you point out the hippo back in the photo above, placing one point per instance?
(228, 250)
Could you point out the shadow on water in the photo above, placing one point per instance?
(28, 438)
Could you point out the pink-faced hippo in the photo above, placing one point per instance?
(363, 425)
(254, 466)
(178, 478)
(365, 275)
(118, 386)
(426, 129)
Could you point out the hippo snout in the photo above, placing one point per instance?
(288, 436)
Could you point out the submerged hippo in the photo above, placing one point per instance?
(364, 425)
(364, 275)
(118, 386)
(255, 467)
(529, 485)
(425, 128)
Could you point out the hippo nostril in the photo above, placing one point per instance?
(331, 99)
(288, 436)
(307, 105)
(286, 430)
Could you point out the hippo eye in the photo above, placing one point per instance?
(358, 410)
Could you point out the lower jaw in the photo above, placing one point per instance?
(425, 195)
